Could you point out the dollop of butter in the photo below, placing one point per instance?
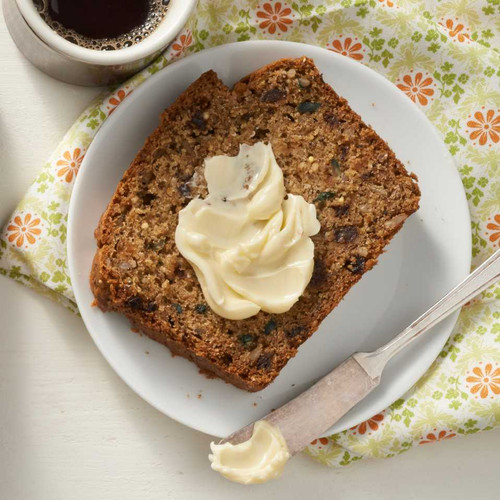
(257, 460)
(250, 246)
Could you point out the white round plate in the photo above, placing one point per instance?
(428, 257)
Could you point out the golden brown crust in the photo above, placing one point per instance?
(361, 191)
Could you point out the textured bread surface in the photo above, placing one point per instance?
(362, 194)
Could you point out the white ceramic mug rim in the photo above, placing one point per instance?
(176, 17)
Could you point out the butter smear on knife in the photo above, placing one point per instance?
(257, 460)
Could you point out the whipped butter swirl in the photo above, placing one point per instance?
(257, 460)
(249, 245)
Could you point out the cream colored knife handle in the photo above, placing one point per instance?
(484, 276)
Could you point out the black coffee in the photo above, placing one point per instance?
(103, 24)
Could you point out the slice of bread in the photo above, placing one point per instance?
(362, 193)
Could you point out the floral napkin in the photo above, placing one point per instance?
(444, 55)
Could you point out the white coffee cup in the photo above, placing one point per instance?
(71, 63)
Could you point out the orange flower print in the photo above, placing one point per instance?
(434, 438)
(495, 228)
(456, 30)
(486, 126)
(349, 47)
(484, 381)
(274, 16)
(417, 88)
(24, 229)
(181, 44)
(69, 163)
(320, 441)
(117, 99)
(387, 2)
(372, 424)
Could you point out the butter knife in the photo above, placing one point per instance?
(314, 411)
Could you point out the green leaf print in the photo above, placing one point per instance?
(52, 206)
(453, 136)
(437, 395)
(433, 47)
(362, 12)
(93, 124)
(448, 86)
(375, 45)
(58, 277)
(348, 459)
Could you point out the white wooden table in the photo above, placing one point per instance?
(71, 429)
